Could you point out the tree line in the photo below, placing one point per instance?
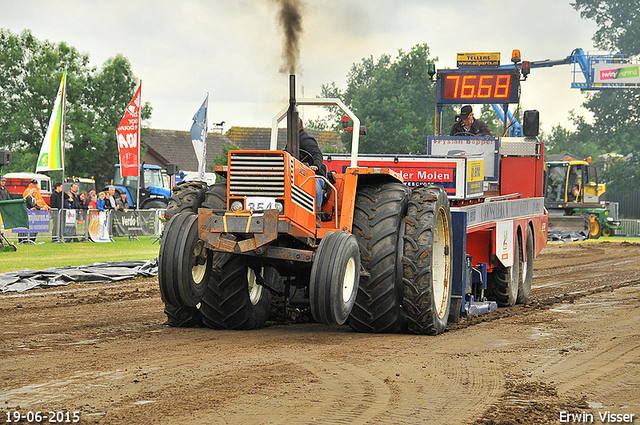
(30, 74)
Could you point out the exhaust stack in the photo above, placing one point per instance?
(293, 141)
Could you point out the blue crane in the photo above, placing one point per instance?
(579, 59)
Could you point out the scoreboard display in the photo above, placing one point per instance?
(478, 86)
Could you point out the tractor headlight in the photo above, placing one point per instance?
(237, 205)
(280, 206)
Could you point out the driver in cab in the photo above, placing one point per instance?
(467, 125)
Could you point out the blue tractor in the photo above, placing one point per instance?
(153, 194)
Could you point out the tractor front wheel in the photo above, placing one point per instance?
(334, 278)
(183, 262)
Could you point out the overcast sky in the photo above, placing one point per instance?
(232, 49)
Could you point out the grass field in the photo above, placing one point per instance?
(47, 254)
(43, 255)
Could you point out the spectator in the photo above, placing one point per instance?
(39, 200)
(56, 196)
(56, 203)
(84, 200)
(100, 202)
(30, 200)
(111, 201)
(4, 192)
(93, 203)
(123, 204)
(68, 201)
(77, 204)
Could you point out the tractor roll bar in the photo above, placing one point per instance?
(320, 102)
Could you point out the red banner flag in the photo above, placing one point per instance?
(128, 135)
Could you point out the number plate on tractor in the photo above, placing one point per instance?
(259, 204)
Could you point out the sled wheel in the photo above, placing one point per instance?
(502, 284)
(378, 226)
(234, 299)
(526, 269)
(427, 261)
(334, 278)
(183, 262)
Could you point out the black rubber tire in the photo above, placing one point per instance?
(427, 261)
(154, 204)
(184, 263)
(377, 225)
(526, 269)
(335, 273)
(607, 231)
(502, 284)
(186, 196)
(215, 197)
(230, 302)
(595, 229)
(182, 317)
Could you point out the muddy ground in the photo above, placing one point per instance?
(104, 351)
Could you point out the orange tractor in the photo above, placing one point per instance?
(381, 258)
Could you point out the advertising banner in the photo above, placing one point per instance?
(133, 223)
(99, 226)
(38, 223)
(616, 73)
(128, 136)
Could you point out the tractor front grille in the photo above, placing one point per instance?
(256, 175)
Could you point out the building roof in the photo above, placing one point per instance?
(173, 146)
(562, 157)
(260, 138)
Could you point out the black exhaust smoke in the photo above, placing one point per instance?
(290, 18)
(293, 140)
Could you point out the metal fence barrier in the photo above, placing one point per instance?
(629, 227)
(87, 225)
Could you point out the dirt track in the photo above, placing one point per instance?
(102, 350)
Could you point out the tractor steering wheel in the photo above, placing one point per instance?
(306, 158)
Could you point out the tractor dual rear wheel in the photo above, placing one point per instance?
(427, 261)
(234, 299)
(378, 225)
(186, 196)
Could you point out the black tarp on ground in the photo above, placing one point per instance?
(114, 271)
